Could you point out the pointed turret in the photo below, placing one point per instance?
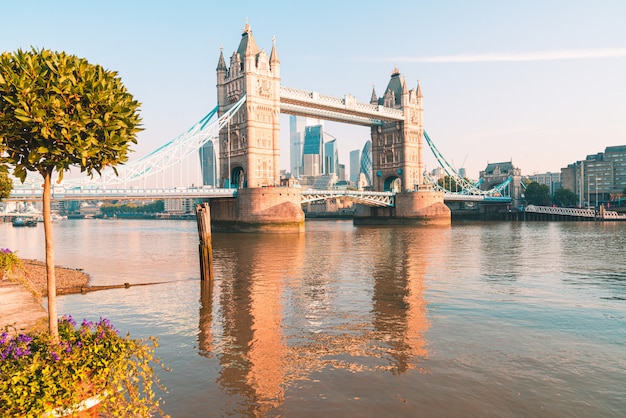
(248, 49)
(374, 99)
(419, 90)
(221, 64)
(274, 55)
(394, 89)
(222, 74)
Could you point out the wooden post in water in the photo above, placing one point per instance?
(203, 217)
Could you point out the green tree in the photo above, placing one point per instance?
(450, 183)
(58, 111)
(565, 198)
(537, 194)
(6, 184)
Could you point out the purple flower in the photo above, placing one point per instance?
(54, 356)
(68, 319)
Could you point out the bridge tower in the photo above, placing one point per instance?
(398, 165)
(397, 146)
(250, 146)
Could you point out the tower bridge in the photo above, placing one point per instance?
(244, 127)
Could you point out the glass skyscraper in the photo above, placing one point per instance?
(208, 164)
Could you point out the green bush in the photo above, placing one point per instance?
(8, 261)
(91, 360)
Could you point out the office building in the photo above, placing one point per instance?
(297, 126)
(313, 151)
(366, 166)
(355, 165)
(208, 164)
(598, 178)
(331, 158)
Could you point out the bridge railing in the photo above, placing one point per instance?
(27, 194)
(368, 198)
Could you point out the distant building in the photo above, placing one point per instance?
(552, 180)
(497, 173)
(297, 126)
(331, 158)
(437, 173)
(366, 166)
(208, 164)
(342, 172)
(598, 178)
(313, 150)
(355, 165)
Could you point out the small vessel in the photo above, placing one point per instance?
(21, 221)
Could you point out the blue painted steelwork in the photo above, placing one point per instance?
(467, 188)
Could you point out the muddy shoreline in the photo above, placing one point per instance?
(68, 280)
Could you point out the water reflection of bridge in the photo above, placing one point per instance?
(275, 320)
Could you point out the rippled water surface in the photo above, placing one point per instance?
(479, 319)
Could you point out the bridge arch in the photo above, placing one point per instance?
(238, 177)
(393, 184)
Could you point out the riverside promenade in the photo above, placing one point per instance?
(20, 309)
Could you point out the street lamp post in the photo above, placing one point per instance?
(228, 140)
(597, 191)
(588, 191)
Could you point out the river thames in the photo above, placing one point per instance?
(478, 319)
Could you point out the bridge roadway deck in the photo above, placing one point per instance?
(369, 198)
(113, 194)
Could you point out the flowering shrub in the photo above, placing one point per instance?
(91, 359)
(8, 261)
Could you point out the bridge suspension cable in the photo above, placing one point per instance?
(466, 187)
(166, 156)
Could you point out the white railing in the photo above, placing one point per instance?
(380, 199)
(27, 194)
(549, 210)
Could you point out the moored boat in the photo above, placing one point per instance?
(21, 221)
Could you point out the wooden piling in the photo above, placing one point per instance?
(203, 217)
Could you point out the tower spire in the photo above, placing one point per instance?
(374, 99)
(221, 64)
(274, 55)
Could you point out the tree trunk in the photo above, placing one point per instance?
(52, 286)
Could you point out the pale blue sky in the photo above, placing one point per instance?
(540, 82)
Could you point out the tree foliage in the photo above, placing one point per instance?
(537, 194)
(6, 184)
(58, 111)
(111, 209)
(450, 183)
(565, 198)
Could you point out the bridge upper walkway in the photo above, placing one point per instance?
(348, 110)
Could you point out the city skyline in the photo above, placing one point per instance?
(538, 84)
